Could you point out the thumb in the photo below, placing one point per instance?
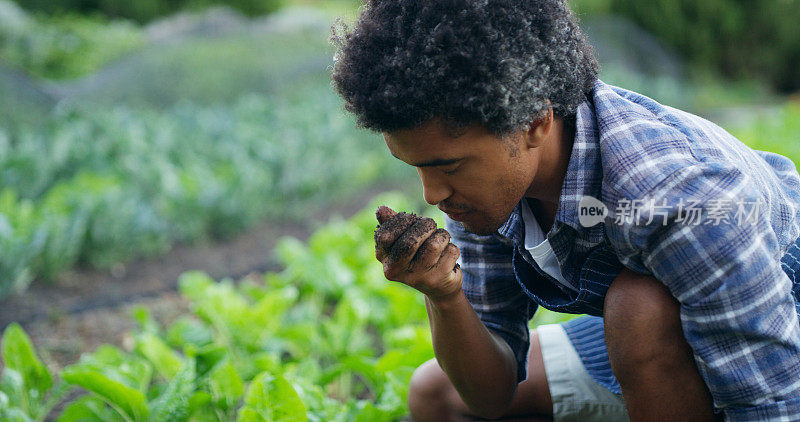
(384, 213)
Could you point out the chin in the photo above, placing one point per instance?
(480, 229)
(487, 224)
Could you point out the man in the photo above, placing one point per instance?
(568, 193)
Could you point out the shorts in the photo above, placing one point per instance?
(576, 396)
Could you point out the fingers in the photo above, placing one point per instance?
(447, 269)
(449, 258)
(415, 252)
(430, 251)
(384, 213)
(406, 246)
(447, 272)
(387, 233)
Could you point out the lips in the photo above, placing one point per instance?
(455, 215)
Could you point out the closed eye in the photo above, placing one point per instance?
(452, 171)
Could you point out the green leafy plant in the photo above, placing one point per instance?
(149, 179)
(27, 390)
(326, 339)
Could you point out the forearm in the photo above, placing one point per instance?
(479, 363)
(481, 366)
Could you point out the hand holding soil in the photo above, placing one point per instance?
(415, 252)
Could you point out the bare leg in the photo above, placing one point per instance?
(649, 353)
(431, 397)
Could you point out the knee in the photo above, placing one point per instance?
(642, 322)
(638, 303)
(430, 394)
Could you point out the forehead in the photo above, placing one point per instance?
(433, 141)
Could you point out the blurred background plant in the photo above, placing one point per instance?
(128, 127)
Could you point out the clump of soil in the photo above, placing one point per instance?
(391, 225)
(384, 213)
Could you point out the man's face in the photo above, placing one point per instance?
(476, 178)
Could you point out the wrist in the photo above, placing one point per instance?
(445, 302)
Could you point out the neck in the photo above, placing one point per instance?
(555, 155)
(545, 213)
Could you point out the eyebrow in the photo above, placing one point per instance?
(434, 163)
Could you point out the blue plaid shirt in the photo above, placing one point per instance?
(688, 204)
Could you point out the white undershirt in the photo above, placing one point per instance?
(539, 247)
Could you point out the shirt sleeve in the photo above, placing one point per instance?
(492, 289)
(736, 304)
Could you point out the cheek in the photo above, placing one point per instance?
(514, 182)
(494, 192)
(511, 188)
(496, 196)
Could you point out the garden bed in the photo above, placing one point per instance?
(88, 307)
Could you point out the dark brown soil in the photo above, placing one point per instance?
(86, 308)
(82, 290)
(397, 233)
(60, 340)
(389, 232)
(384, 213)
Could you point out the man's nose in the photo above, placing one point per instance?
(434, 187)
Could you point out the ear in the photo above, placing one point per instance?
(540, 129)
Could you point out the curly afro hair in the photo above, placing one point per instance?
(497, 63)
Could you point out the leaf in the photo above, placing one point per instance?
(248, 414)
(165, 360)
(370, 413)
(189, 330)
(200, 401)
(363, 365)
(129, 402)
(173, 404)
(208, 356)
(269, 308)
(54, 397)
(13, 386)
(15, 414)
(145, 320)
(394, 392)
(225, 385)
(129, 370)
(271, 398)
(18, 354)
(192, 284)
(411, 357)
(88, 409)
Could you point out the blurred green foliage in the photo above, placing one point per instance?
(144, 10)
(66, 46)
(63, 47)
(777, 132)
(583, 8)
(101, 186)
(756, 39)
(211, 70)
(189, 139)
